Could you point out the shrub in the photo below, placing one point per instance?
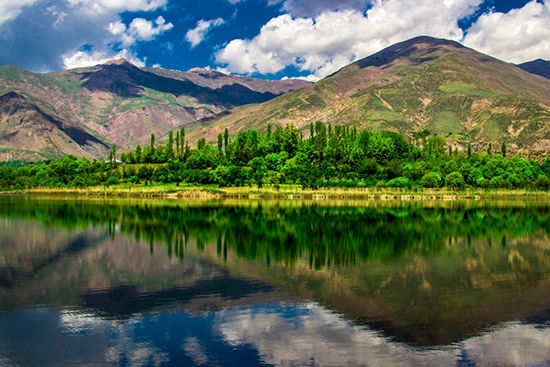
(454, 180)
(431, 179)
(542, 182)
(399, 182)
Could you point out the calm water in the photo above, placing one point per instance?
(156, 283)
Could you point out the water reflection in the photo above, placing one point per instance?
(148, 283)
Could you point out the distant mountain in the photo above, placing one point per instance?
(537, 67)
(83, 111)
(422, 83)
(28, 129)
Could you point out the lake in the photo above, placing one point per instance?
(146, 282)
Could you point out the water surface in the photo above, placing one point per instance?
(164, 283)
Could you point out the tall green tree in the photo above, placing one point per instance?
(170, 145)
(220, 145)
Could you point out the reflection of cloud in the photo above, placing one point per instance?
(195, 351)
(76, 322)
(306, 334)
(513, 344)
(265, 333)
(124, 348)
(92, 340)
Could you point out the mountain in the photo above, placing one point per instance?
(422, 83)
(26, 124)
(83, 111)
(537, 67)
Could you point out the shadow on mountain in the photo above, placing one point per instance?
(124, 301)
(126, 80)
(13, 103)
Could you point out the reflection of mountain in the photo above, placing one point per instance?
(306, 334)
(116, 278)
(422, 275)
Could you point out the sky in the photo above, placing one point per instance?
(272, 39)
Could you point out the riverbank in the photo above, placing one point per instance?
(172, 191)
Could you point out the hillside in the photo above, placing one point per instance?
(537, 67)
(83, 111)
(422, 83)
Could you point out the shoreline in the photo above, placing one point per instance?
(169, 191)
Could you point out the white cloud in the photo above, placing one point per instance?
(10, 9)
(81, 59)
(517, 36)
(312, 8)
(101, 6)
(323, 44)
(46, 35)
(140, 29)
(198, 34)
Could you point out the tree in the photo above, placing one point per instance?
(113, 155)
(226, 140)
(489, 149)
(152, 142)
(170, 145)
(178, 153)
(469, 150)
(431, 179)
(454, 180)
(503, 149)
(201, 143)
(220, 145)
(182, 140)
(258, 169)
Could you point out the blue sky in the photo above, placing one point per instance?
(260, 38)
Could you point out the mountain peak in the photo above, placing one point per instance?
(538, 67)
(416, 47)
(120, 62)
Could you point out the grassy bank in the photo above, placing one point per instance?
(283, 192)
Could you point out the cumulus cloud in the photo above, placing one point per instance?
(198, 34)
(140, 29)
(11, 9)
(81, 59)
(324, 44)
(49, 35)
(517, 36)
(101, 6)
(312, 8)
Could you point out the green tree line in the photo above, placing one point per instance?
(331, 156)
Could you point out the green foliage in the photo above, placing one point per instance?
(401, 182)
(431, 179)
(330, 157)
(454, 180)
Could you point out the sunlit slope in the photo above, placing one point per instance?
(422, 83)
(117, 103)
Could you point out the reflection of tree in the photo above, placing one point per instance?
(278, 234)
(423, 275)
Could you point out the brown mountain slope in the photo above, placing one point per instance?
(118, 103)
(24, 124)
(422, 83)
